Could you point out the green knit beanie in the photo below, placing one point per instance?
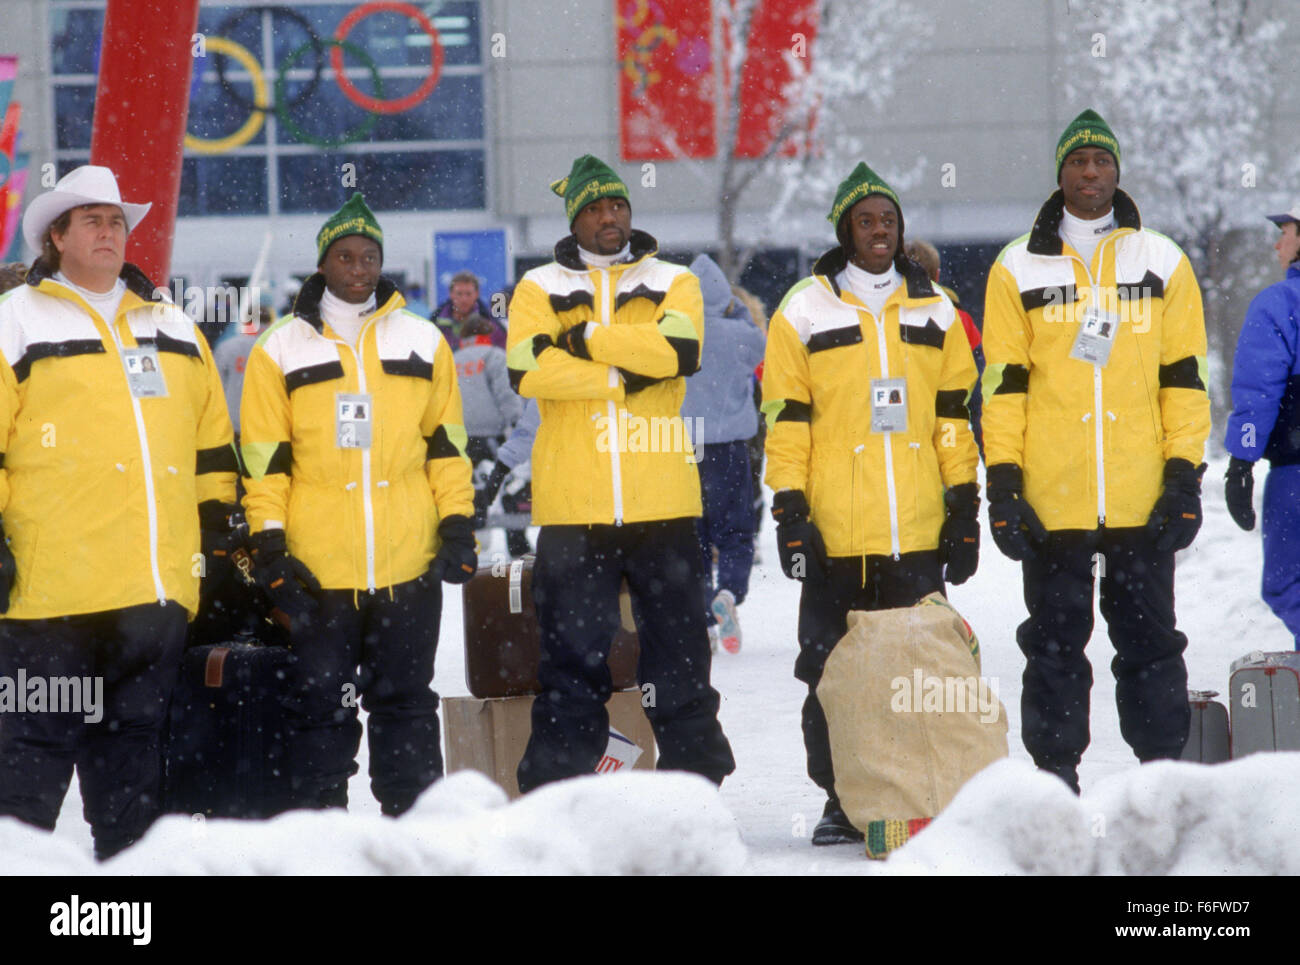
(588, 180)
(354, 218)
(861, 182)
(1086, 130)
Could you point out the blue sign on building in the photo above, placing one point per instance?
(482, 252)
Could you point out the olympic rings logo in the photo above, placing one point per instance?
(636, 64)
(260, 105)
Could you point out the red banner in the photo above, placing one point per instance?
(11, 183)
(10, 213)
(781, 31)
(667, 89)
(9, 129)
(141, 107)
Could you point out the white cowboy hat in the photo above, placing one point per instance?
(88, 184)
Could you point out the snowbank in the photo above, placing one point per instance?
(1237, 818)
(634, 823)
(1166, 818)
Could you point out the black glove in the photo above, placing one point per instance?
(222, 529)
(8, 567)
(1177, 514)
(457, 558)
(1016, 528)
(286, 580)
(483, 498)
(803, 553)
(959, 539)
(1239, 491)
(632, 382)
(574, 341)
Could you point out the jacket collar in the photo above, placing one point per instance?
(307, 303)
(835, 261)
(136, 281)
(1045, 236)
(566, 250)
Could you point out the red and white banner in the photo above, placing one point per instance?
(781, 36)
(669, 82)
(667, 86)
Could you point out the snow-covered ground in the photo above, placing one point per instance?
(1234, 818)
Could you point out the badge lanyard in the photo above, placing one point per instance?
(353, 419)
(888, 397)
(1097, 331)
(144, 374)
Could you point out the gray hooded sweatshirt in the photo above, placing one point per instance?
(721, 394)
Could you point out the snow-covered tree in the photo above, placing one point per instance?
(1188, 87)
(838, 77)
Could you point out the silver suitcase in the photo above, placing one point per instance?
(1207, 735)
(1264, 694)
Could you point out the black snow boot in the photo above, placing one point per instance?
(834, 827)
(1066, 772)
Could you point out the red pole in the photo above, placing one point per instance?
(141, 110)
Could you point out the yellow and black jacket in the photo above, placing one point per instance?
(871, 493)
(1093, 440)
(612, 446)
(359, 518)
(99, 490)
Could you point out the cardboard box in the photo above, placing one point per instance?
(489, 735)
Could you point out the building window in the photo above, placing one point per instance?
(414, 134)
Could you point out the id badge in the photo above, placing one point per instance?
(1096, 336)
(352, 420)
(889, 405)
(144, 374)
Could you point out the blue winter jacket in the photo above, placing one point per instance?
(1265, 418)
(721, 394)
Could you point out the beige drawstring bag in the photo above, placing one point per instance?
(910, 718)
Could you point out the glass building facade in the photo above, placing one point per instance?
(273, 125)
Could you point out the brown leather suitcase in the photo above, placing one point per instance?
(502, 641)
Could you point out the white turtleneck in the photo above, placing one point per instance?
(344, 317)
(871, 289)
(1083, 235)
(105, 303)
(604, 261)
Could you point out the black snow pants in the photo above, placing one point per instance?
(854, 583)
(576, 584)
(377, 648)
(1137, 600)
(133, 656)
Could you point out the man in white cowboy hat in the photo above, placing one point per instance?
(107, 469)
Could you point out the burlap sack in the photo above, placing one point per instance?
(910, 719)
